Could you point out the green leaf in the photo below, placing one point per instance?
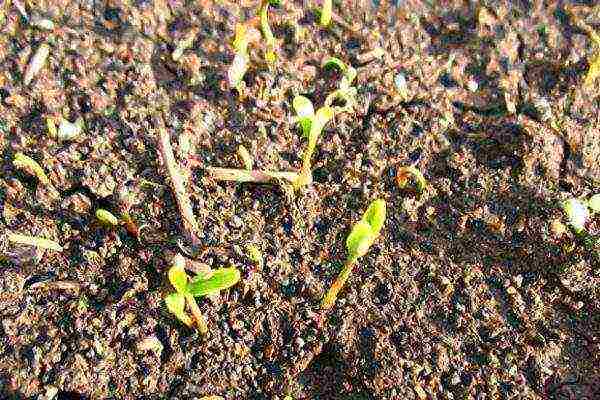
(305, 111)
(375, 216)
(334, 62)
(175, 303)
(177, 275)
(222, 278)
(360, 239)
(325, 19)
(106, 217)
(324, 114)
(594, 203)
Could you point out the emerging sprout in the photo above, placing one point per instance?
(345, 92)
(362, 236)
(28, 164)
(37, 63)
(34, 241)
(201, 285)
(68, 130)
(312, 125)
(238, 68)
(270, 55)
(245, 157)
(577, 214)
(326, 13)
(106, 217)
(404, 173)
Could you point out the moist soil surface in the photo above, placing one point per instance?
(474, 290)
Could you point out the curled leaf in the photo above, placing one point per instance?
(334, 62)
(360, 239)
(28, 164)
(221, 279)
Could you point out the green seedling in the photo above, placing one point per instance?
(28, 164)
(345, 92)
(361, 238)
(238, 68)
(271, 43)
(202, 285)
(312, 125)
(106, 217)
(254, 176)
(403, 175)
(578, 212)
(326, 12)
(34, 241)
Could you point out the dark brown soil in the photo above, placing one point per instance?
(468, 294)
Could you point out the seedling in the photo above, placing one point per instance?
(238, 68)
(106, 217)
(254, 176)
(362, 236)
(28, 164)
(345, 92)
(202, 285)
(270, 55)
(403, 175)
(34, 241)
(578, 212)
(312, 125)
(245, 156)
(326, 11)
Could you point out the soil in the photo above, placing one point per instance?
(470, 292)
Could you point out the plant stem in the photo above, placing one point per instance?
(255, 176)
(177, 182)
(338, 284)
(202, 327)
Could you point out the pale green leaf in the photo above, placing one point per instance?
(222, 278)
(175, 303)
(177, 276)
(375, 216)
(360, 239)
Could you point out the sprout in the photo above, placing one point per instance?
(238, 68)
(403, 174)
(577, 214)
(312, 125)
(270, 55)
(68, 130)
(360, 239)
(202, 285)
(106, 217)
(34, 241)
(326, 13)
(37, 63)
(246, 157)
(28, 164)
(345, 92)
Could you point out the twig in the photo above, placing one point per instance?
(190, 225)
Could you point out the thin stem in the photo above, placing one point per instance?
(177, 182)
(255, 176)
(338, 284)
(202, 327)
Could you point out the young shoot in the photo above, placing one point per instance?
(238, 68)
(312, 125)
(270, 55)
(578, 212)
(34, 241)
(362, 236)
(326, 11)
(28, 164)
(254, 176)
(106, 217)
(202, 285)
(405, 173)
(345, 92)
